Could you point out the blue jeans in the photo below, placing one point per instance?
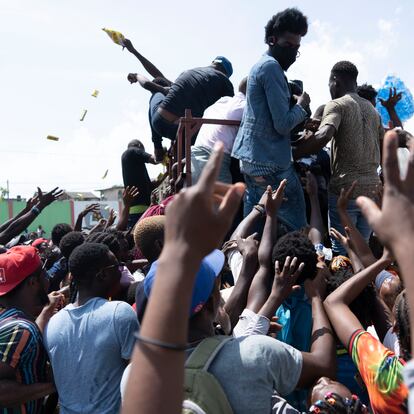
(160, 127)
(293, 211)
(356, 216)
(200, 157)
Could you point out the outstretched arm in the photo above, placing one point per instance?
(316, 222)
(337, 303)
(128, 197)
(31, 202)
(262, 282)
(238, 298)
(26, 219)
(390, 104)
(92, 208)
(148, 66)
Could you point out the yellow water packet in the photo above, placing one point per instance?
(95, 93)
(52, 138)
(117, 37)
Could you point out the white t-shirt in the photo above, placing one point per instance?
(230, 108)
(89, 347)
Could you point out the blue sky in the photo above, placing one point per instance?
(53, 54)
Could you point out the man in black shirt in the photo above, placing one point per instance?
(134, 173)
(194, 89)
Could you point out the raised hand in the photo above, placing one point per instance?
(92, 208)
(129, 195)
(111, 218)
(393, 223)
(128, 45)
(274, 199)
(393, 99)
(346, 241)
(285, 280)
(200, 216)
(48, 198)
(345, 196)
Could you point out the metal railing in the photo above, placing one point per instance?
(187, 128)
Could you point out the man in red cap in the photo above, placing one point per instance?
(24, 379)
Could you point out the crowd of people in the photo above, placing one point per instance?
(279, 282)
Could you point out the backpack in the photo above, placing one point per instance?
(203, 394)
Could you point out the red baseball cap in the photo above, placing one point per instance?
(38, 242)
(16, 265)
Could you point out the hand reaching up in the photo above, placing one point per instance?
(48, 198)
(200, 216)
(274, 199)
(129, 194)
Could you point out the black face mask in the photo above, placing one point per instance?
(286, 56)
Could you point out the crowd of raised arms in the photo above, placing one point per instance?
(281, 281)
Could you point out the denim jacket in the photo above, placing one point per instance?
(264, 134)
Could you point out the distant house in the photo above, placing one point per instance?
(112, 193)
(79, 196)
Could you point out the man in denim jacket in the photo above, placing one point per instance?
(263, 141)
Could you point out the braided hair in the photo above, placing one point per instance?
(335, 404)
(110, 239)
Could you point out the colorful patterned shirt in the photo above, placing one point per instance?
(21, 347)
(381, 371)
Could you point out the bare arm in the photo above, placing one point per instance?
(337, 303)
(56, 300)
(321, 360)
(128, 197)
(316, 223)
(93, 208)
(390, 104)
(31, 202)
(314, 143)
(157, 371)
(262, 282)
(148, 66)
(26, 219)
(238, 298)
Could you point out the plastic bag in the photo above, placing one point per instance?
(117, 37)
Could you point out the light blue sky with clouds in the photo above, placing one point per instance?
(53, 54)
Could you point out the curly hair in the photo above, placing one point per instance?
(290, 20)
(367, 92)
(70, 241)
(403, 325)
(336, 404)
(363, 303)
(296, 244)
(87, 259)
(58, 231)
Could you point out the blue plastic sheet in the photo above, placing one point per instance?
(404, 108)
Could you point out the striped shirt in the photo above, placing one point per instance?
(21, 347)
